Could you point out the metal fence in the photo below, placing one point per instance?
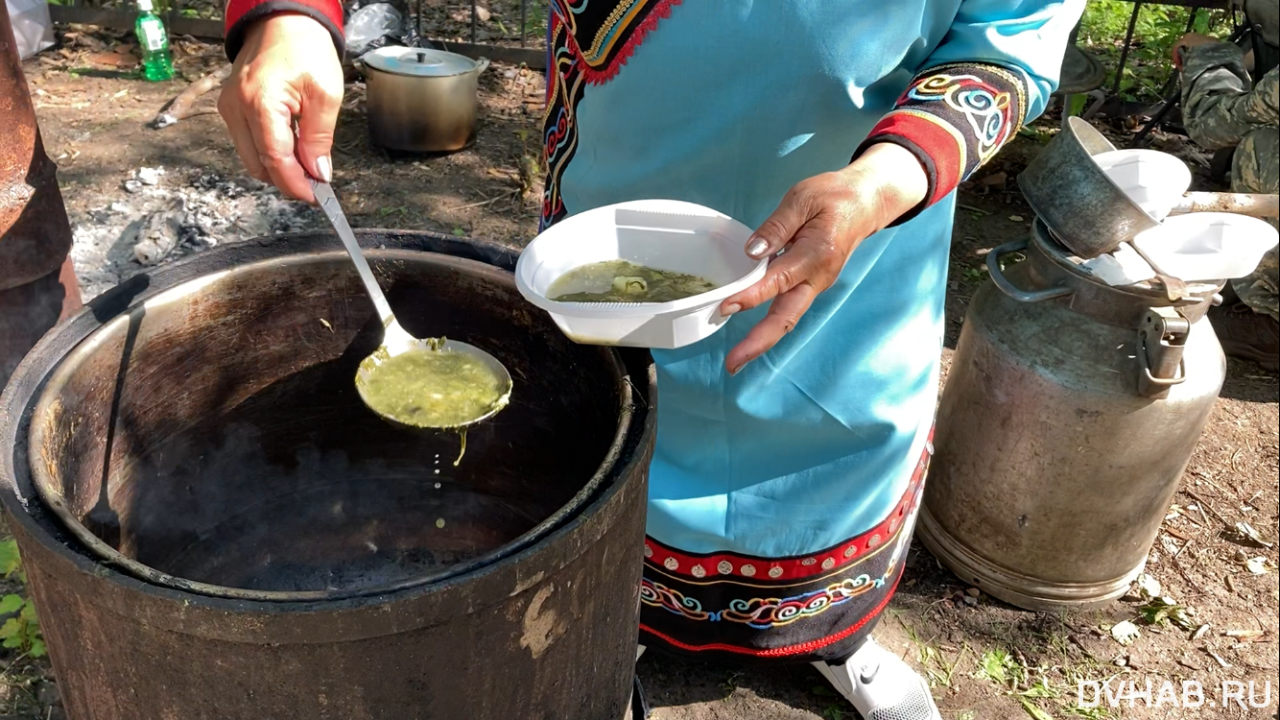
(523, 45)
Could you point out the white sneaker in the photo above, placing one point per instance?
(881, 686)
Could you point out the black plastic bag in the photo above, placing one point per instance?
(372, 24)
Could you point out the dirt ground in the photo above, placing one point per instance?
(985, 659)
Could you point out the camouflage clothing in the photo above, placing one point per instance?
(1219, 111)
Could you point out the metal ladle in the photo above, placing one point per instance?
(396, 340)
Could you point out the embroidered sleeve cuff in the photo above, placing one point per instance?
(243, 13)
(953, 118)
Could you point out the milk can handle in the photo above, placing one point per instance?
(1008, 288)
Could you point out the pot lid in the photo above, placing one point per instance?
(418, 62)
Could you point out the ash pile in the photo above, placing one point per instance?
(163, 216)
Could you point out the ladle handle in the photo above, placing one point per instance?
(1174, 288)
(332, 210)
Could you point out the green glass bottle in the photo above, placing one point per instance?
(153, 39)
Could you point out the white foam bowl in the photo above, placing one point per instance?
(662, 234)
(1208, 246)
(1152, 179)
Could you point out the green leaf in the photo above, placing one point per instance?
(12, 628)
(823, 691)
(995, 666)
(1155, 613)
(38, 649)
(1041, 689)
(11, 604)
(1034, 711)
(1164, 609)
(10, 560)
(1183, 618)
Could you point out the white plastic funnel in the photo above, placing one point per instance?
(1208, 246)
(1152, 179)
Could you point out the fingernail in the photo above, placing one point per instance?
(757, 247)
(730, 309)
(324, 168)
(734, 370)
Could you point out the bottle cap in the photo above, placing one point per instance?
(145, 5)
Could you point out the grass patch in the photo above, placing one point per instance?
(21, 628)
(1149, 67)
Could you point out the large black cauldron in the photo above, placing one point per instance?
(215, 527)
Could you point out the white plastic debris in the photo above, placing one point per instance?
(1258, 565)
(1122, 267)
(1148, 587)
(1125, 632)
(150, 176)
(32, 26)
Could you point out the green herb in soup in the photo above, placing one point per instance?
(623, 281)
(431, 388)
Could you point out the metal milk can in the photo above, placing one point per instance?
(1070, 412)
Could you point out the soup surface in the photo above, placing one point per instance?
(624, 281)
(432, 388)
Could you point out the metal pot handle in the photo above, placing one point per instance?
(482, 64)
(1008, 288)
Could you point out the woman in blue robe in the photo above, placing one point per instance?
(793, 444)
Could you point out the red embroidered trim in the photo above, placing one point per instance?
(599, 76)
(795, 568)
(801, 649)
(237, 9)
(941, 146)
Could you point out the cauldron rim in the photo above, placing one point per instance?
(19, 400)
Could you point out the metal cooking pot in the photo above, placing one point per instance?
(1083, 207)
(421, 100)
(1088, 213)
(541, 626)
